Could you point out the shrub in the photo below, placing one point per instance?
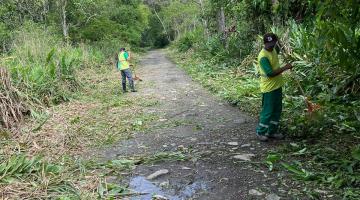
(189, 39)
(42, 68)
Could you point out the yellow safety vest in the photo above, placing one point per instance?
(268, 84)
(123, 63)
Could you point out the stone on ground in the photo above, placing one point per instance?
(246, 145)
(159, 197)
(272, 197)
(233, 143)
(157, 174)
(245, 157)
(255, 192)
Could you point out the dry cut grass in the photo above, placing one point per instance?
(11, 107)
(43, 159)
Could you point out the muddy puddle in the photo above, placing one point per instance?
(148, 189)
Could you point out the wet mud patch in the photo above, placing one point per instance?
(150, 189)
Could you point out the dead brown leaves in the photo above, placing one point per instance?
(11, 106)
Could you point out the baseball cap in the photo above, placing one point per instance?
(270, 40)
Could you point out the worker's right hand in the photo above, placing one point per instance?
(288, 66)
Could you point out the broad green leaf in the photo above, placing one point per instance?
(50, 55)
(356, 153)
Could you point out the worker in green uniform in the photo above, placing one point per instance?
(124, 66)
(271, 82)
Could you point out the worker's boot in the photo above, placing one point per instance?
(262, 138)
(132, 87)
(124, 87)
(277, 136)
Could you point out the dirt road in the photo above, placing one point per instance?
(200, 142)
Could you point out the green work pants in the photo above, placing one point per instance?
(270, 113)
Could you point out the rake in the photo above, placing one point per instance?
(135, 76)
(311, 107)
(133, 69)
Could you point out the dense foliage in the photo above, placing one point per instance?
(321, 39)
(322, 46)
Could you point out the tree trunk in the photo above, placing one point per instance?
(64, 22)
(205, 23)
(177, 30)
(221, 20)
(222, 27)
(194, 25)
(45, 10)
(162, 24)
(3, 47)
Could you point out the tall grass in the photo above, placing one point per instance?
(43, 68)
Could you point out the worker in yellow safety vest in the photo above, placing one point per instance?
(271, 82)
(124, 66)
